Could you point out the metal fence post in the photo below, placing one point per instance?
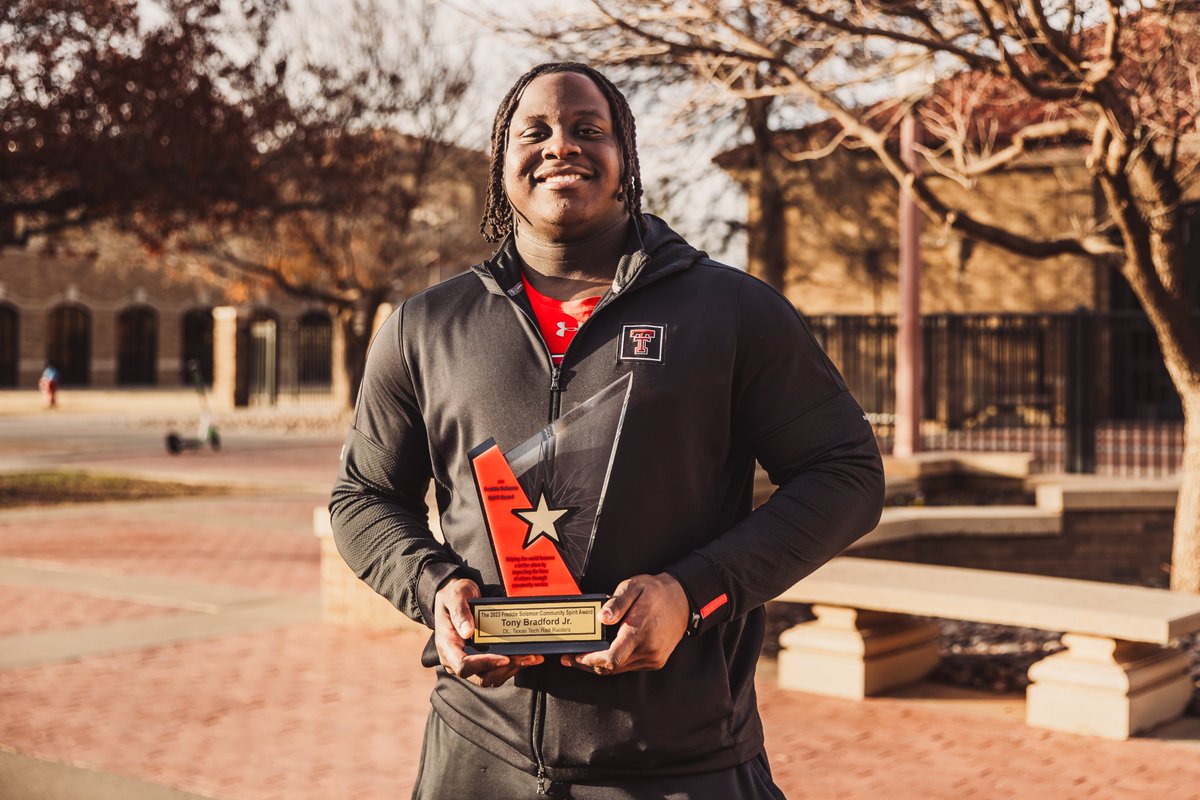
(1080, 432)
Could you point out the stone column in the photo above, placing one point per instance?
(909, 350)
(339, 383)
(847, 652)
(381, 314)
(224, 388)
(1107, 687)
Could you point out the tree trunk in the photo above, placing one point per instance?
(767, 224)
(1185, 553)
(768, 254)
(354, 357)
(1156, 266)
(357, 326)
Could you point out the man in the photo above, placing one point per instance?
(724, 373)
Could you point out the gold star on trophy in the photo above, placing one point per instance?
(541, 520)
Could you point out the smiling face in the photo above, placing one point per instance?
(562, 160)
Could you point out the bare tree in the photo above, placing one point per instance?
(1120, 81)
(107, 116)
(380, 197)
(327, 170)
(617, 36)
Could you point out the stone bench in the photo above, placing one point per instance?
(1117, 676)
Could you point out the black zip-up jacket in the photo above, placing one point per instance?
(738, 377)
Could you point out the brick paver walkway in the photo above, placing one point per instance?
(885, 748)
(29, 610)
(318, 712)
(261, 542)
(310, 711)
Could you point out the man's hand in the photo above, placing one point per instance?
(452, 624)
(655, 611)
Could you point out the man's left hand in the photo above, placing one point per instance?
(654, 609)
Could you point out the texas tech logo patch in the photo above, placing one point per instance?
(642, 343)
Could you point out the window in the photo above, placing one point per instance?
(137, 347)
(197, 344)
(315, 349)
(69, 344)
(9, 344)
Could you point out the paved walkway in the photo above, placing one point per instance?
(172, 650)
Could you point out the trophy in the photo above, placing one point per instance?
(541, 504)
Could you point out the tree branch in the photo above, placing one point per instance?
(1065, 54)
(1009, 66)
(933, 44)
(276, 274)
(1102, 69)
(1040, 131)
(797, 156)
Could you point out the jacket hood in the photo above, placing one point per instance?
(652, 251)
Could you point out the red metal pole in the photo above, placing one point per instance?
(908, 318)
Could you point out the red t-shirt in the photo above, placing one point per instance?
(558, 320)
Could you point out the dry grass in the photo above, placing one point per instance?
(57, 488)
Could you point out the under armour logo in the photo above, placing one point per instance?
(642, 343)
(563, 328)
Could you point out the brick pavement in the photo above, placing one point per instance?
(890, 748)
(300, 712)
(318, 712)
(34, 610)
(312, 711)
(262, 542)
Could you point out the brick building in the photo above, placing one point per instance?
(106, 314)
(130, 325)
(842, 237)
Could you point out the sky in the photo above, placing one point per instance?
(320, 26)
(499, 60)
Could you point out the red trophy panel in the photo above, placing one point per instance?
(527, 568)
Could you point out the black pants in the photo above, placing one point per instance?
(453, 768)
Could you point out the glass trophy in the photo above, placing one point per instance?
(541, 504)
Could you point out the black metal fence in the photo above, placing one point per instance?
(307, 358)
(290, 362)
(1085, 392)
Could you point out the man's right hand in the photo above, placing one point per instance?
(452, 625)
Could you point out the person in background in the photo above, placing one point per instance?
(48, 386)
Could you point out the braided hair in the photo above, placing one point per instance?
(497, 211)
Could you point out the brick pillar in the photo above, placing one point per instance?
(225, 340)
(104, 348)
(339, 382)
(381, 314)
